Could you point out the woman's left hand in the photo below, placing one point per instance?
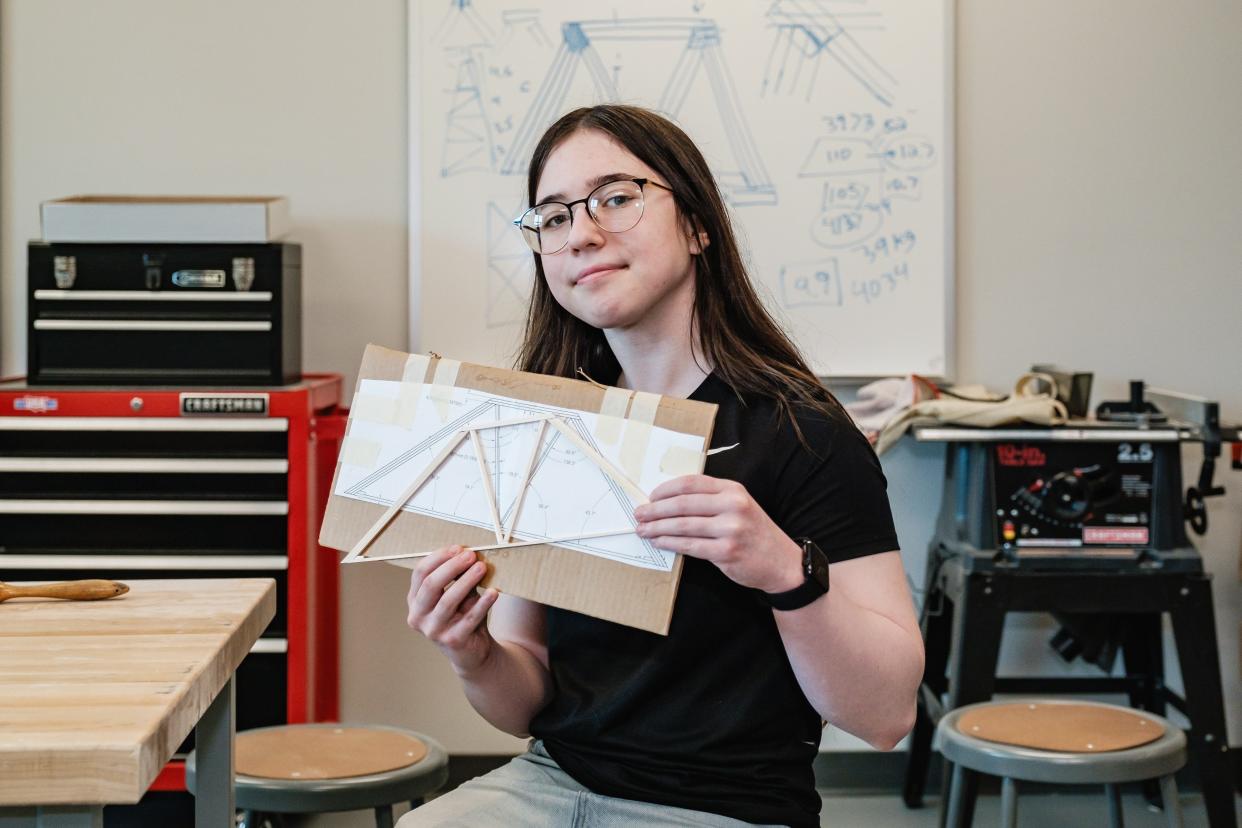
(717, 520)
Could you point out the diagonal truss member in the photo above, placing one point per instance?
(503, 533)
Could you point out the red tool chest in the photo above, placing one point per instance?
(140, 482)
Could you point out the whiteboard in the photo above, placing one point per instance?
(826, 122)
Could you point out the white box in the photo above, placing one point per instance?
(115, 218)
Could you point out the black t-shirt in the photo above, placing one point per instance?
(711, 717)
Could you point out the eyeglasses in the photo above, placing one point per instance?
(615, 207)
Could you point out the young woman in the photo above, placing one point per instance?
(639, 282)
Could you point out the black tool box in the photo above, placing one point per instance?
(164, 314)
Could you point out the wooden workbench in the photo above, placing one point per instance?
(95, 696)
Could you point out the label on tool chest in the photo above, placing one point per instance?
(246, 405)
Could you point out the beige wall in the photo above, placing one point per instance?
(1098, 220)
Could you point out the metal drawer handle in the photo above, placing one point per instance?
(143, 507)
(148, 296)
(110, 465)
(146, 325)
(154, 563)
(270, 645)
(212, 424)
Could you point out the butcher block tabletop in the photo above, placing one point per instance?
(95, 696)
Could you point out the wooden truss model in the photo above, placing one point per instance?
(504, 534)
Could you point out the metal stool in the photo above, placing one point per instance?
(314, 768)
(971, 755)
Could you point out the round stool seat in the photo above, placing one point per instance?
(312, 768)
(1088, 764)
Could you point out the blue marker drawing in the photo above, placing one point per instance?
(462, 26)
(807, 35)
(864, 173)
(745, 183)
(908, 153)
(844, 226)
(467, 130)
(510, 269)
(811, 283)
(525, 21)
(841, 156)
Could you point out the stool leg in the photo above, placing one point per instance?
(1009, 803)
(978, 620)
(1116, 818)
(1172, 806)
(962, 790)
(383, 816)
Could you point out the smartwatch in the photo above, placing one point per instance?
(814, 584)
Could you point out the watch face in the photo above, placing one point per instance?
(815, 563)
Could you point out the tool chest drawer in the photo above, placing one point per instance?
(156, 483)
(164, 313)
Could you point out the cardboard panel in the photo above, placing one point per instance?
(552, 575)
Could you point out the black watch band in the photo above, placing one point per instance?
(814, 584)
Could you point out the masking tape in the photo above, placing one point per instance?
(415, 368)
(644, 407)
(446, 371)
(634, 448)
(373, 409)
(407, 404)
(611, 413)
(679, 460)
(638, 433)
(358, 452)
(441, 392)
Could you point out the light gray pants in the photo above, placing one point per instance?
(533, 792)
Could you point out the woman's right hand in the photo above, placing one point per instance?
(444, 606)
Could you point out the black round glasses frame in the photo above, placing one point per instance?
(519, 222)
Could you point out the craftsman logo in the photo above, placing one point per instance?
(36, 405)
(215, 404)
(1010, 455)
(1136, 535)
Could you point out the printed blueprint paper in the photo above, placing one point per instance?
(568, 493)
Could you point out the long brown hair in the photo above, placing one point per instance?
(748, 350)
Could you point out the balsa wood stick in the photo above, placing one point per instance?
(382, 524)
(600, 460)
(515, 544)
(563, 539)
(488, 491)
(505, 423)
(530, 467)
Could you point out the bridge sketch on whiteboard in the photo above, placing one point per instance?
(807, 35)
(510, 269)
(462, 25)
(744, 181)
(468, 143)
(545, 481)
(523, 21)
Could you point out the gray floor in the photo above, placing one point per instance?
(1041, 810)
